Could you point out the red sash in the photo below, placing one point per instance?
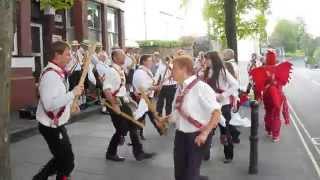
(148, 73)
(50, 114)
(122, 81)
(179, 103)
(233, 99)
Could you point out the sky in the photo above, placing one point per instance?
(309, 10)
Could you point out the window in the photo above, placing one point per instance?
(70, 25)
(112, 24)
(94, 21)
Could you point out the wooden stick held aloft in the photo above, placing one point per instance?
(86, 64)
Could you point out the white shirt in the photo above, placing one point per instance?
(229, 85)
(235, 67)
(54, 94)
(115, 75)
(199, 103)
(143, 79)
(75, 61)
(127, 64)
(164, 73)
(80, 53)
(102, 68)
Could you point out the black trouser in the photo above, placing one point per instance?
(59, 144)
(74, 79)
(152, 119)
(166, 94)
(207, 150)
(122, 126)
(187, 156)
(228, 133)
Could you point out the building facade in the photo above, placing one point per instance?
(154, 19)
(96, 20)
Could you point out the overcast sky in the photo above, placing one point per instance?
(309, 10)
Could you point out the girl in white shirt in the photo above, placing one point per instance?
(225, 85)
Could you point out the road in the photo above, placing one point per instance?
(304, 101)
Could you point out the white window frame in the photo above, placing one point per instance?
(41, 44)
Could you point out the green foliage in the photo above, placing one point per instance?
(298, 53)
(57, 4)
(286, 34)
(312, 61)
(316, 54)
(292, 36)
(254, 26)
(184, 42)
(309, 44)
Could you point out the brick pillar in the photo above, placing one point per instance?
(121, 29)
(24, 28)
(80, 19)
(48, 30)
(104, 12)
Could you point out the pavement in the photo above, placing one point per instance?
(89, 137)
(294, 158)
(21, 128)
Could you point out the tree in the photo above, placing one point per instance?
(316, 54)
(230, 25)
(286, 34)
(228, 20)
(245, 25)
(6, 34)
(292, 36)
(57, 4)
(309, 44)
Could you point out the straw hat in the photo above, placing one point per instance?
(75, 43)
(99, 45)
(85, 42)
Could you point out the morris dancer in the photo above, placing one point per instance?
(225, 85)
(196, 114)
(115, 93)
(53, 113)
(168, 86)
(143, 80)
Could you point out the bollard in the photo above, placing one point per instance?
(253, 166)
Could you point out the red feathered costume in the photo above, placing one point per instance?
(269, 81)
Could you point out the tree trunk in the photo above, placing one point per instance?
(230, 25)
(6, 34)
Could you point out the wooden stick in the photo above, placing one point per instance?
(126, 116)
(86, 64)
(161, 122)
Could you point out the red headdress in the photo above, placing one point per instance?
(271, 57)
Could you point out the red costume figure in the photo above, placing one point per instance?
(269, 81)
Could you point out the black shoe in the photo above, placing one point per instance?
(45, 172)
(236, 141)
(40, 176)
(227, 161)
(62, 177)
(144, 155)
(204, 177)
(206, 157)
(142, 136)
(115, 158)
(122, 140)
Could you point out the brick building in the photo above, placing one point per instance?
(96, 20)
